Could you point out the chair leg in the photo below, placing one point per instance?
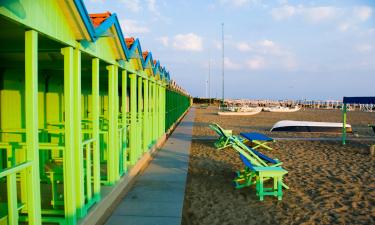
(261, 192)
(279, 188)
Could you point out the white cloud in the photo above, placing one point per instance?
(344, 26)
(235, 2)
(311, 14)
(230, 65)
(267, 43)
(164, 40)
(131, 27)
(283, 12)
(363, 48)
(239, 3)
(151, 5)
(132, 5)
(363, 13)
(217, 44)
(318, 14)
(243, 47)
(256, 63)
(283, 2)
(187, 42)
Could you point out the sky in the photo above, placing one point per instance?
(273, 49)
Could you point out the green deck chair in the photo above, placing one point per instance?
(224, 136)
(258, 168)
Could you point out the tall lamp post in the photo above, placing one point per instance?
(222, 38)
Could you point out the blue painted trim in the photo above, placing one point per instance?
(147, 60)
(95, 33)
(107, 24)
(85, 18)
(156, 68)
(133, 53)
(121, 36)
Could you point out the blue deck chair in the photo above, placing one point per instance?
(259, 139)
(258, 168)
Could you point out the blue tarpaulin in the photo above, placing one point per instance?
(359, 100)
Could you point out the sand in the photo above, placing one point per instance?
(329, 183)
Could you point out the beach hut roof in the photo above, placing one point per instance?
(129, 42)
(99, 18)
(97, 24)
(145, 54)
(147, 60)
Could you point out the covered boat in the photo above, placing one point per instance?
(281, 109)
(248, 112)
(308, 126)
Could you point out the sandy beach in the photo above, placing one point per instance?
(329, 183)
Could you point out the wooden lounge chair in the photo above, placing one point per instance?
(224, 136)
(258, 168)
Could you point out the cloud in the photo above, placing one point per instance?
(267, 43)
(132, 27)
(352, 19)
(97, 1)
(364, 48)
(164, 40)
(187, 42)
(311, 14)
(283, 12)
(243, 47)
(256, 63)
(151, 5)
(132, 5)
(318, 14)
(236, 3)
(344, 26)
(239, 3)
(230, 65)
(262, 47)
(363, 13)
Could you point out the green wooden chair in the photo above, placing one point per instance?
(258, 169)
(224, 136)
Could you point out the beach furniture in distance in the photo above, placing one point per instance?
(309, 126)
(258, 169)
(259, 139)
(204, 106)
(224, 136)
(281, 109)
(372, 126)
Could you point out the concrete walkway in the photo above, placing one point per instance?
(157, 196)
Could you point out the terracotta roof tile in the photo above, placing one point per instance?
(129, 41)
(98, 18)
(144, 54)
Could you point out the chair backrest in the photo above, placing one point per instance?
(246, 162)
(218, 129)
(262, 156)
(215, 128)
(222, 131)
(245, 152)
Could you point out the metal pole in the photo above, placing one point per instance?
(222, 36)
(344, 124)
(209, 80)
